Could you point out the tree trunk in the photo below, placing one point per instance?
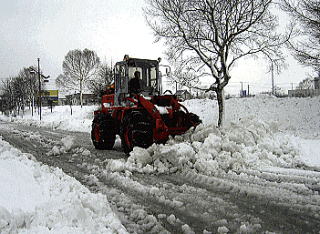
(32, 105)
(220, 97)
(81, 101)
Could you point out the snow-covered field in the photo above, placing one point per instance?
(261, 133)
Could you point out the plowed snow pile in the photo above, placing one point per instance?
(208, 150)
(258, 133)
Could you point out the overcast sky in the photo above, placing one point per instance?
(48, 29)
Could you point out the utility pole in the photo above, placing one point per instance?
(33, 71)
(272, 79)
(241, 91)
(248, 90)
(39, 77)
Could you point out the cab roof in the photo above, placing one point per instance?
(138, 62)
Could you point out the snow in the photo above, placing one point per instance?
(310, 150)
(259, 132)
(60, 118)
(224, 229)
(36, 198)
(209, 150)
(22, 197)
(171, 219)
(252, 142)
(293, 121)
(295, 115)
(264, 139)
(186, 229)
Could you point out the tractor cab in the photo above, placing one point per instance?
(150, 80)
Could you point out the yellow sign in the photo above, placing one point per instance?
(50, 93)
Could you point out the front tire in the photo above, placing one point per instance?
(103, 133)
(193, 119)
(136, 130)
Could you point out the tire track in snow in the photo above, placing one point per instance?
(138, 198)
(300, 181)
(271, 207)
(192, 203)
(132, 212)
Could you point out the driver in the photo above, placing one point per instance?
(134, 83)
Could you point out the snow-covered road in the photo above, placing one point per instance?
(255, 200)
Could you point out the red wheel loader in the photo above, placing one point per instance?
(140, 118)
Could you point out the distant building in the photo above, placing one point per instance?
(183, 95)
(74, 99)
(306, 92)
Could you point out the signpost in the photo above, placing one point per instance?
(51, 96)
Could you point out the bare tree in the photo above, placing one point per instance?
(19, 91)
(183, 76)
(78, 67)
(30, 84)
(212, 35)
(102, 80)
(15, 92)
(61, 82)
(306, 48)
(8, 95)
(307, 83)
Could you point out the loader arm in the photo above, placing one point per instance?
(160, 130)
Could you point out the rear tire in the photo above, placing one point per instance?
(103, 133)
(136, 130)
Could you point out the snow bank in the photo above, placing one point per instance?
(60, 118)
(309, 150)
(300, 116)
(209, 150)
(39, 199)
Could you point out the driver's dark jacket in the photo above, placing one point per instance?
(134, 85)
